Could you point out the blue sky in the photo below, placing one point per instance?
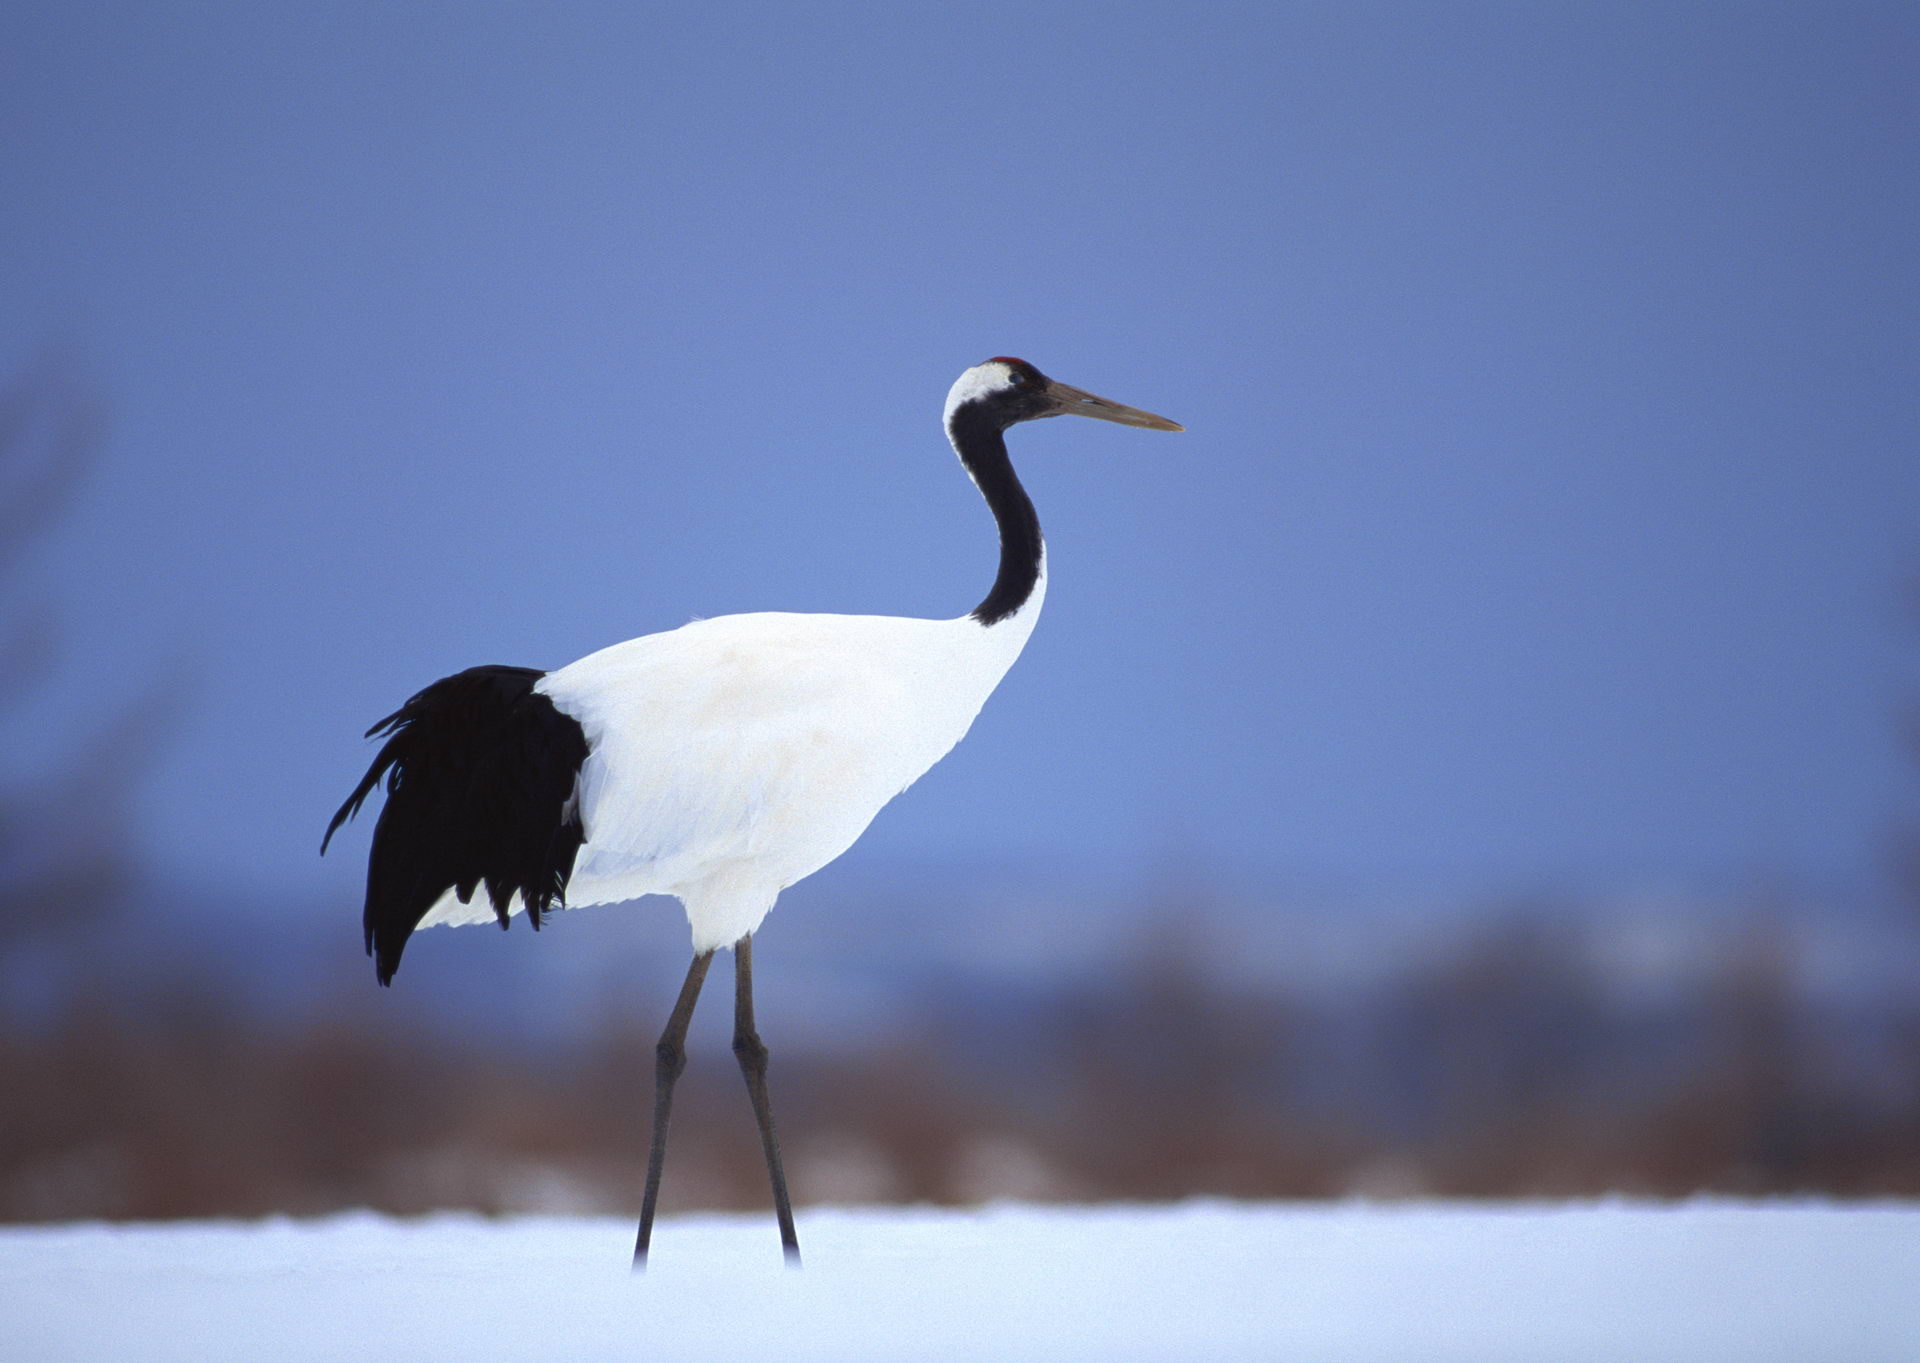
(1544, 514)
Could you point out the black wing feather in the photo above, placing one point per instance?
(480, 771)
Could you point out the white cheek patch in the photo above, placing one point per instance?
(983, 380)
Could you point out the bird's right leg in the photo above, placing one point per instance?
(752, 1054)
(669, 1059)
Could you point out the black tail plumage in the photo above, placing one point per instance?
(481, 771)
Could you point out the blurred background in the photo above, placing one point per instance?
(1478, 759)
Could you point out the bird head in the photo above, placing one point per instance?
(1004, 391)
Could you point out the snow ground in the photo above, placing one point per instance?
(1701, 1281)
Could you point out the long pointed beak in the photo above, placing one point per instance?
(1078, 402)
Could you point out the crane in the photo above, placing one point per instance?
(719, 762)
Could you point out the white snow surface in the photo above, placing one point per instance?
(1699, 1281)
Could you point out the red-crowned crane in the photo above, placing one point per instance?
(719, 762)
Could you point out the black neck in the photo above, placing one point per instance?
(982, 447)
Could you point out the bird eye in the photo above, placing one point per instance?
(1016, 377)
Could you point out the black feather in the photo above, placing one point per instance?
(976, 429)
(481, 771)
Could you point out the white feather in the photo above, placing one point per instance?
(980, 381)
(731, 757)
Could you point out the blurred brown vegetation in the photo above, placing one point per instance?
(1506, 1066)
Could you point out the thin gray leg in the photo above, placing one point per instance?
(752, 1053)
(669, 1059)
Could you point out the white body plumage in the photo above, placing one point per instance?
(731, 757)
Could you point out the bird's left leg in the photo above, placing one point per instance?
(752, 1054)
